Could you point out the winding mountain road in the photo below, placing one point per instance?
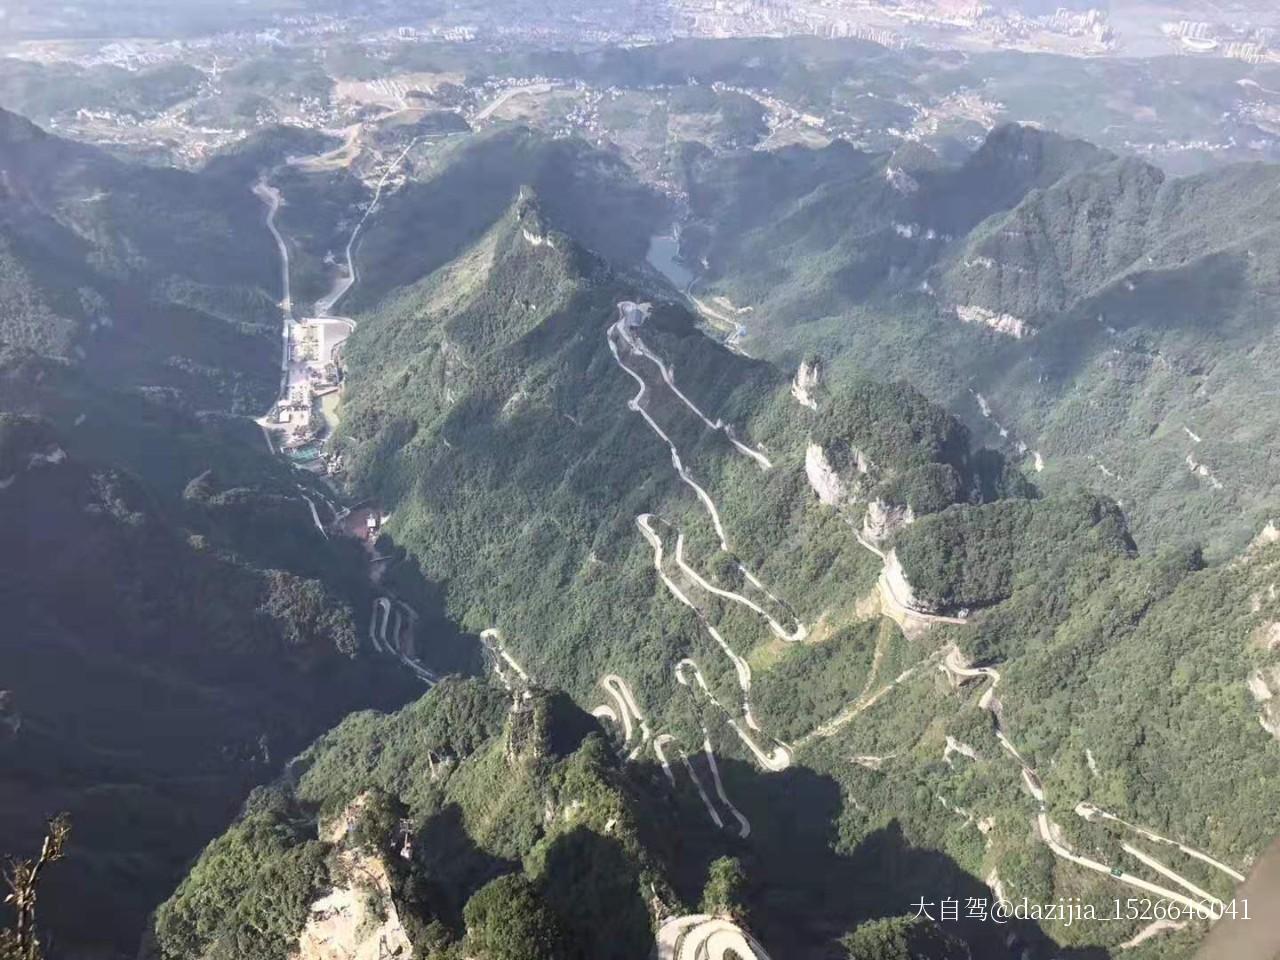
(627, 709)
(744, 827)
(777, 760)
(660, 750)
(796, 634)
(854, 710)
(636, 404)
(378, 623)
(953, 663)
(701, 936)
(780, 757)
(1088, 811)
(315, 514)
(326, 304)
(630, 316)
(272, 199)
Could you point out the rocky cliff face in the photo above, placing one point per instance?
(838, 481)
(806, 382)
(823, 478)
(357, 919)
(1264, 687)
(884, 519)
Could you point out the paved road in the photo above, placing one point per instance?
(744, 828)
(660, 749)
(315, 514)
(1045, 830)
(631, 315)
(895, 591)
(627, 709)
(378, 623)
(850, 713)
(637, 405)
(1088, 811)
(340, 288)
(270, 196)
(796, 633)
(272, 199)
(777, 760)
(701, 936)
(954, 664)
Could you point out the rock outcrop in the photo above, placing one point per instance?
(884, 519)
(806, 381)
(823, 478)
(1264, 687)
(1005, 323)
(357, 919)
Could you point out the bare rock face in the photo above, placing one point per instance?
(823, 478)
(1266, 536)
(861, 462)
(843, 482)
(357, 920)
(899, 587)
(805, 382)
(1267, 637)
(1264, 687)
(1004, 323)
(884, 519)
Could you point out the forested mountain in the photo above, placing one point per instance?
(916, 604)
(1104, 322)
(146, 278)
(461, 818)
(496, 406)
(485, 408)
(154, 668)
(175, 626)
(434, 220)
(467, 825)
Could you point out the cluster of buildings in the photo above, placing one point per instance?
(1090, 24)
(1197, 36)
(844, 29)
(313, 375)
(879, 21)
(457, 33)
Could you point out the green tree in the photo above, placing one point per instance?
(725, 891)
(507, 919)
(903, 938)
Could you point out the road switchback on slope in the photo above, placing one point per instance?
(630, 316)
(701, 936)
(953, 663)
